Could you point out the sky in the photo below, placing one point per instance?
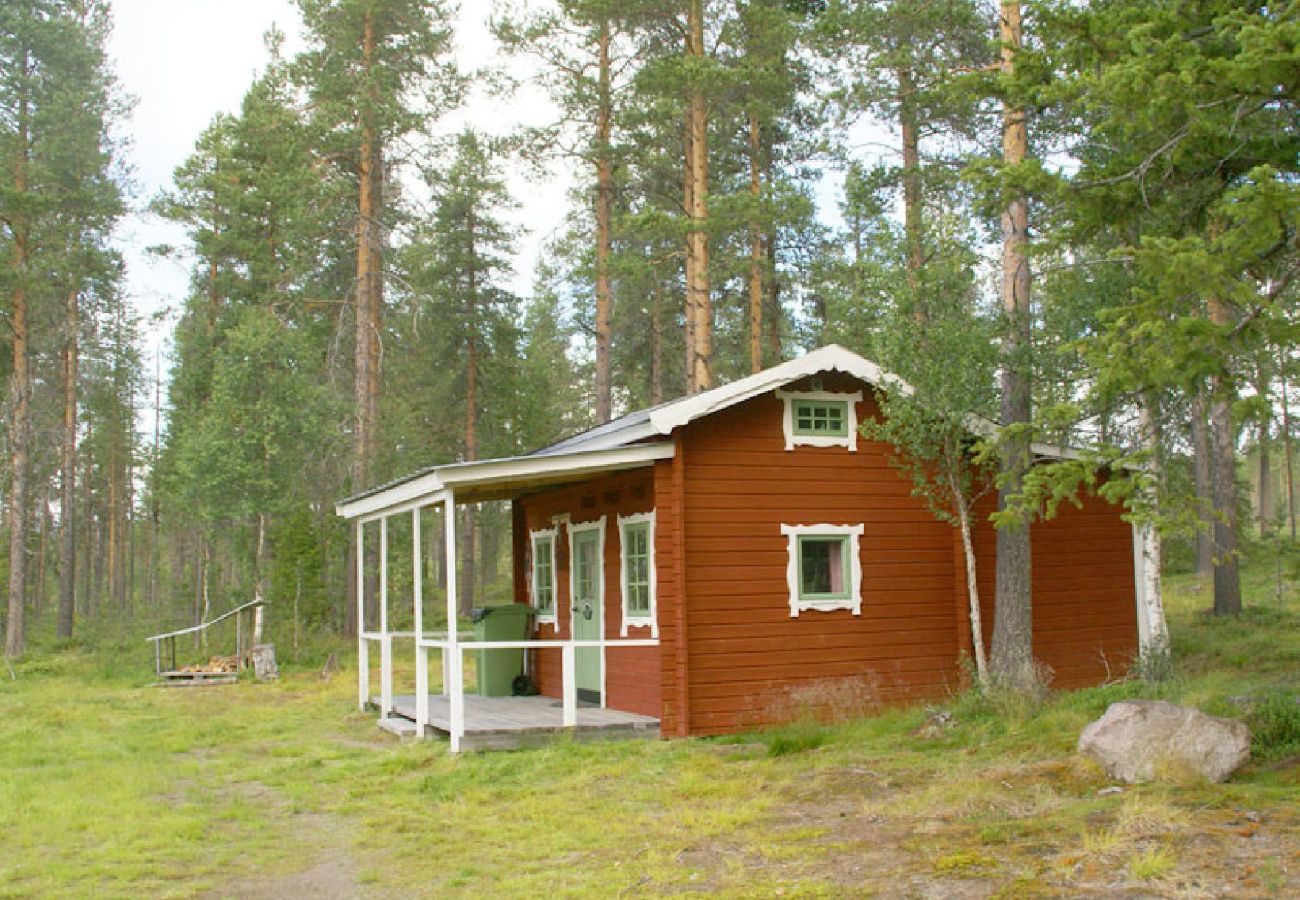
(185, 61)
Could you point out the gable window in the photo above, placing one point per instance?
(814, 417)
(820, 419)
(637, 542)
(543, 574)
(824, 569)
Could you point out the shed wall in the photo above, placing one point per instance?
(749, 662)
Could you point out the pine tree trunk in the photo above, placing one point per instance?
(656, 344)
(467, 537)
(1286, 448)
(68, 471)
(1013, 655)
(361, 438)
(698, 303)
(756, 256)
(1223, 446)
(114, 537)
(907, 120)
(604, 240)
(19, 392)
(374, 387)
(1264, 499)
(42, 546)
(1204, 484)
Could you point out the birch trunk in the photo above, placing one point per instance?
(1155, 633)
(972, 582)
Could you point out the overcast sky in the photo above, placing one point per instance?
(184, 61)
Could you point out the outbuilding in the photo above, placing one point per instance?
(729, 560)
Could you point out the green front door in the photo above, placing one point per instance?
(588, 575)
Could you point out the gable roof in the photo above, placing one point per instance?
(662, 420)
(631, 441)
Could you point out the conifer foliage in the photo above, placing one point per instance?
(1077, 222)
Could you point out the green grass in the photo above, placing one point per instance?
(110, 788)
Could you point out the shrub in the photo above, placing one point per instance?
(1275, 725)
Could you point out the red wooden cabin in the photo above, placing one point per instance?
(743, 555)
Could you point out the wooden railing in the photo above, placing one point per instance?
(170, 637)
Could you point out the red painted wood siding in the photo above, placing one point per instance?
(633, 674)
(1084, 599)
(746, 662)
(749, 662)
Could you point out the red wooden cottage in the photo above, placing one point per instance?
(715, 563)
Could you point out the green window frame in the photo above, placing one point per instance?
(825, 570)
(820, 418)
(544, 573)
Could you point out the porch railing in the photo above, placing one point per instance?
(448, 644)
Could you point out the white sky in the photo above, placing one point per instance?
(184, 61)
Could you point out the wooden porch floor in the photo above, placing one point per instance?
(506, 723)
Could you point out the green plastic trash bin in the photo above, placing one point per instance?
(497, 669)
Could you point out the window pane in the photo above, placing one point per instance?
(543, 572)
(821, 417)
(821, 566)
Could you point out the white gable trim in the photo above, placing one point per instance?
(832, 358)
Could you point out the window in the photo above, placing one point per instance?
(824, 569)
(820, 419)
(637, 542)
(828, 417)
(543, 577)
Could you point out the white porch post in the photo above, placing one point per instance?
(456, 661)
(568, 683)
(421, 652)
(386, 640)
(363, 649)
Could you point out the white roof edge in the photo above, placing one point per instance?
(470, 474)
(824, 359)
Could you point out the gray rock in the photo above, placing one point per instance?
(1146, 740)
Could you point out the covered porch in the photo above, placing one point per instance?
(471, 721)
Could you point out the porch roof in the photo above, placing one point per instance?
(497, 479)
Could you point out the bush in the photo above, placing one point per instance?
(1275, 725)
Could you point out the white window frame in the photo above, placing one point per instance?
(548, 534)
(848, 440)
(854, 600)
(575, 529)
(650, 618)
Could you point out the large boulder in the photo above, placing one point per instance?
(1145, 740)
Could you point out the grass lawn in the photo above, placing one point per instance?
(111, 788)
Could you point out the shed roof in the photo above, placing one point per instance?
(629, 441)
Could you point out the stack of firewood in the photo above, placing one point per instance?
(215, 666)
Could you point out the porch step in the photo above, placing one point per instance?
(398, 726)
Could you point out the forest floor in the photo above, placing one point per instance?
(110, 788)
